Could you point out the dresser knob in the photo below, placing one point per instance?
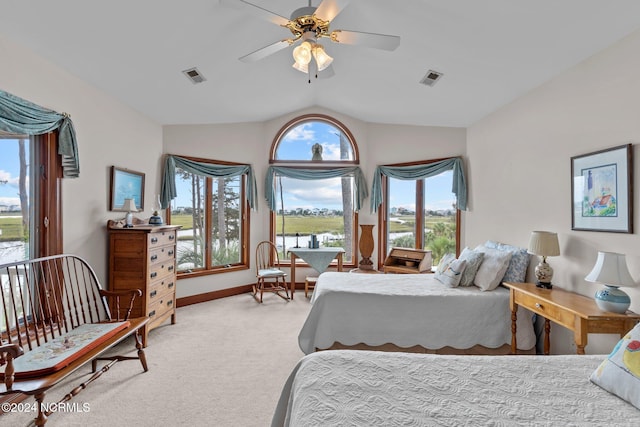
(538, 305)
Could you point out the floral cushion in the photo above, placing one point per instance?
(517, 269)
(474, 259)
(619, 373)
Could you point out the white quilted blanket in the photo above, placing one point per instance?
(408, 310)
(366, 388)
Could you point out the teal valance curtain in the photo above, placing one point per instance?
(168, 191)
(20, 116)
(459, 185)
(313, 174)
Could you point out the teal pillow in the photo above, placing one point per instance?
(451, 271)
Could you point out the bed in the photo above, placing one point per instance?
(410, 311)
(349, 387)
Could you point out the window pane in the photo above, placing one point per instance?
(439, 215)
(306, 207)
(226, 226)
(401, 231)
(14, 199)
(188, 210)
(302, 142)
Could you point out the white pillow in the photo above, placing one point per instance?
(619, 373)
(451, 272)
(492, 269)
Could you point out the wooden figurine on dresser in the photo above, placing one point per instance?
(144, 257)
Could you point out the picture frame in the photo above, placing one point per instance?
(602, 190)
(126, 184)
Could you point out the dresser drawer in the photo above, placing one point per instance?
(163, 254)
(162, 306)
(160, 288)
(161, 269)
(161, 238)
(546, 309)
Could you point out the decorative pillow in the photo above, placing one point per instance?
(474, 259)
(492, 269)
(517, 269)
(452, 271)
(619, 373)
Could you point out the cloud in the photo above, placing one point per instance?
(300, 133)
(9, 201)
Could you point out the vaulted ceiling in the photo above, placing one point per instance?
(490, 52)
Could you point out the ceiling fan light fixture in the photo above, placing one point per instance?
(302, 53)
(322, 58)
(301, 67)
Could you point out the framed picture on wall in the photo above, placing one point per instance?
(602, 190)
(126, 184)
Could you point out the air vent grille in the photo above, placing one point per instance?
(194, 75)
(431, 78)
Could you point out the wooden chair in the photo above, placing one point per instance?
(270, 278)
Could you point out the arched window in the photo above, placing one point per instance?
(306, 204)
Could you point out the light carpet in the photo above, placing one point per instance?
(223, 363)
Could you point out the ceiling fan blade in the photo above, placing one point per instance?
(329, 9)
(377, 41)
(256, 10)
(265, 51)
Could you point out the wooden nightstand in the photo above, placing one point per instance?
(573, 311)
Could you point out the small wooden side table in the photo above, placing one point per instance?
(573, 311)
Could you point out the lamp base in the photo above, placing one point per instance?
(544, 274)
(612, 299)
(544, 285)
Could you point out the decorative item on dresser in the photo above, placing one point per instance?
(130, 207)
(611, 270)
(144, 257)
(544, 244)
(407, 260)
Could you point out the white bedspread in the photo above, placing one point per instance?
(408, 310)
(368, 388)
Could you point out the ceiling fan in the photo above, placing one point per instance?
(307, 25)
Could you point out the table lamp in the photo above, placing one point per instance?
(544, 244)
(611, 270)
(130, 207)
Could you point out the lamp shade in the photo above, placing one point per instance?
(544, 243)
(611, 269)
(129, 205)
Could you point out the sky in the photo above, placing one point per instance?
(9, 172)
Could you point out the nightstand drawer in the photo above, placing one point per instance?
(546, 309)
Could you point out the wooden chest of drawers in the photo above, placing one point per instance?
(144, 257)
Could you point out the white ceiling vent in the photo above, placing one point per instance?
(431, 78)
(194, 75)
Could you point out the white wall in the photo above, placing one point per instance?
(251, 142)
(520, 171)
(109, 133)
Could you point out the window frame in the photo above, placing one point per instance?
(384, 208)
(45, 194)
(208, 269)
(324, 164)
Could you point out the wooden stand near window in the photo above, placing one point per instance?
(407, 260)
(144, 257)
